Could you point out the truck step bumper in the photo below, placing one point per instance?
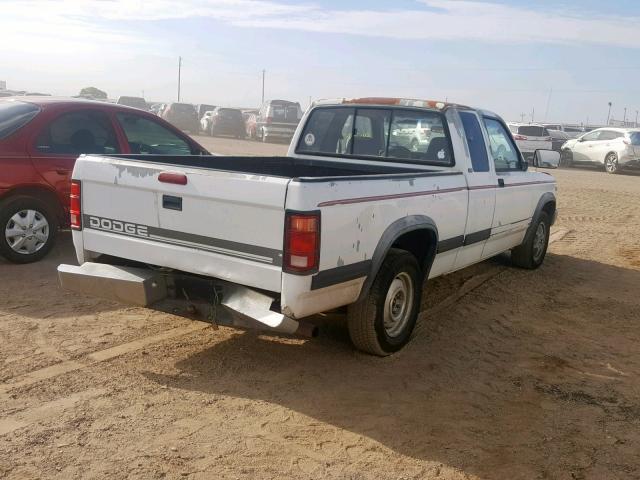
(230, 305)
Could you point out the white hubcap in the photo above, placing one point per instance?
(27, 231)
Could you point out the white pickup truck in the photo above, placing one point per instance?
(353, 216)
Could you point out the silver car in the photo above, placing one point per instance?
(610, 148)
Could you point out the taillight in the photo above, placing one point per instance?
(519, 137)
(75, 206)
(626, 141)
(301, 242)
(269, 120)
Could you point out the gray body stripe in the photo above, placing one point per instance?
(200, 242)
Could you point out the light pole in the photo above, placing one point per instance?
(636, 118)
(609, 114)
(179, 74)
(624, 119)
(263, 72)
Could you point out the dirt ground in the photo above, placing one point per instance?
(512, 374)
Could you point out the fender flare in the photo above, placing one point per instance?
(545, 199)
(394, 231)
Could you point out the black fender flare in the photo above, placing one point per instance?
(545, 199)
(394, 231)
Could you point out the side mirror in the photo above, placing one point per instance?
(546, 159)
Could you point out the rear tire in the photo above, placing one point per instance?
(531, 253)
(38, 222)
(382, 322)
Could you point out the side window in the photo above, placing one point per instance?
(419, 136)
(503, 150)
(475, 140)
(591, 137)
(147, 136)
(78, 132)
(610, 135)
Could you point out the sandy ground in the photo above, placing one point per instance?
(512, 374)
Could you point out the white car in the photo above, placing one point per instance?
(612, 149)
(350, 217)
(531, 137)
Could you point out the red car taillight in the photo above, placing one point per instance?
(519, 137)
(626, 141)
(75, 206)
(301, 242)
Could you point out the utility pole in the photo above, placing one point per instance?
(533, 112)
(179, 75)
(522, 115)
(263, 72)
(624, 119)
(636, 118)
(609, 114)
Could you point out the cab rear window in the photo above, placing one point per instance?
(15, 115)
(394, 135)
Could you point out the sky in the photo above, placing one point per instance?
(558, 61)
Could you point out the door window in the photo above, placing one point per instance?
(532, 131)
(147, 136)
(475, 140)
(503, 150)
(592, 136)
(78, 132)
(609, 135)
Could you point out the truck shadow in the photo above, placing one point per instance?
(527, 376)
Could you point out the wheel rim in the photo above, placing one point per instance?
(539, 241)
(611, 163)
(398, 304)
(27, 231)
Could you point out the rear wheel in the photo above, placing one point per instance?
(382, 322)
(28, 229)
(611, 163)
(531, 253)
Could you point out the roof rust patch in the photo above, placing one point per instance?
(406, 102)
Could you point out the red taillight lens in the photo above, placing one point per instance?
(301, 242)
(75, 208)
(626, 141)
(519, 137)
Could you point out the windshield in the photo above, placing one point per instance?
(635, 139)
(183, 108)
(15, 115)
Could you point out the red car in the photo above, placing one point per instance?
(40, 139)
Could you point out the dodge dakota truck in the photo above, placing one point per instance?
(352, 217)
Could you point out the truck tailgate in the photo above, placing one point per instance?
(221, 224)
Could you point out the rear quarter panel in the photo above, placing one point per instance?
(355, 214)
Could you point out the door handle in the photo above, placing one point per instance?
(501, 182)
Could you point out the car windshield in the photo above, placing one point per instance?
(531, 131)
(635, 138)
(15, 115)
(136, 102)
(285, 112)
(230, 113)
(183, 108)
